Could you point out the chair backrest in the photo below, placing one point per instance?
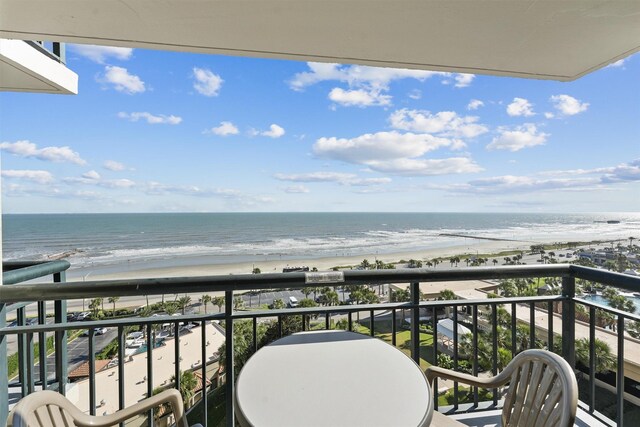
(50, 409)
(45, 409)
(542, 391)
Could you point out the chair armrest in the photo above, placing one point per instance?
(171, 396)
(434, 372)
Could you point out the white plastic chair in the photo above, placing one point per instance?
(543, 390)
(50, 409)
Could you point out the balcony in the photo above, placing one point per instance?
(496, 329)
(34, 66)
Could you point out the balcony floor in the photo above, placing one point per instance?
(492, 419)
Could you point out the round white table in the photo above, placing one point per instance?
(332, 378)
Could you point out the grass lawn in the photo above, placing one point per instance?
(382, 330)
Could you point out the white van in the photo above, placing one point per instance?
(293, 302)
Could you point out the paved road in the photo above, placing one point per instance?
(78, 351)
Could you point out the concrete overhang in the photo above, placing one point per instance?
(560, 40)
(24, 68)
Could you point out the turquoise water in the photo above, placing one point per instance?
(601, 300)
(143, 347)
(99, 240)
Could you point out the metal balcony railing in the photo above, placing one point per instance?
(558, 314)
(54, 50)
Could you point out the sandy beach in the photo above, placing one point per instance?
(274, 266)
(322, 264)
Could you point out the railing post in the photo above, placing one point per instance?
(60, 52)
(4, 381)
(22, 352)
(569, 320)
(229, 371)
(415, 322)
(60, 316)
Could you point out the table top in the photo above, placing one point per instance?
(332, 378)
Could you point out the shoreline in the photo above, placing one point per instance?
(480, 248)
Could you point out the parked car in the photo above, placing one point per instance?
(293, 302)
(83, 316)
(98, 331)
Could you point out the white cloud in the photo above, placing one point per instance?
(150, 118)
(121, 80)
(274, 131)
(445, 123)
(359, 97)
(378, 146)
(426, 167)
(623, 172)
(94, 179)
(91, 175)
(464, 80)
(474, 104)
(100, 54)
(296, 189)
(112, 165)
(458, 80)
(519, 184)
(557, 180)
(338, 177)
(38, 176)
(415, 94)
(207, 83)
(568, 105)
(394, 152)
(225, 129)
(354, 75)
(549, 115)
(367, 86)
(520, 107)
(25, 148)
(619, 63)
(515, 139)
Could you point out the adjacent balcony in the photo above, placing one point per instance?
(35, 66)
(201, 354)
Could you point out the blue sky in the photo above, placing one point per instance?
(154, 131)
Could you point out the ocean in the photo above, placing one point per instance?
(108, 240)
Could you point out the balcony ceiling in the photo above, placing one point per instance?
(560, 40)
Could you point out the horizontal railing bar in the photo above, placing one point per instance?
(334, 309)
(605, 277)
(22, 274)
(245, 282)
(51, 327)
(608, 309)
(390, 306)
(17, 305)
(14, 265)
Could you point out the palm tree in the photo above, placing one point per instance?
(495, 261)
(277, 304)
(183, 303)
(206, 299)
(365, 264)
(218, 301)
(188, 383)
(237, 303)
(605, 361)
(170, 309)
(94, 306)
(113, 300)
